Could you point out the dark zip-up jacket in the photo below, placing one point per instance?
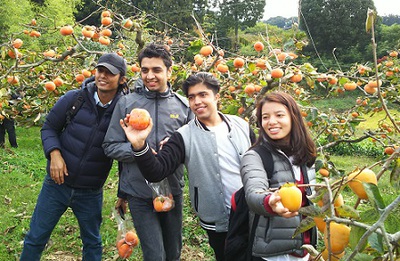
(81, 141)
(169, 111)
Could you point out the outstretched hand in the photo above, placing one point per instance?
(277, 206)
(136, 137)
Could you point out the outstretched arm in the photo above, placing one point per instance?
(154, 168)
(136, 137)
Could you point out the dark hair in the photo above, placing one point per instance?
(156, 51)
(301, 146)
(207, 79)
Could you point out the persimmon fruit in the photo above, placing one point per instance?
(222, 68)
(389, 150)
(262, 64)
(50, 86)
(238, 62)
(334, 257)
(356, 179)
(106, 32)
(106, 21)
(58, 81)
(86, 73)
(13, 80)
(249, 89)
(206, 50)
(139, 119)
(291, 196)
(17, 43)
(339, 237)
(370, 89)
(135, 68)
(104, 40)
(127, 23)
(163, 203)
(324, 172)
(66, 30)
(277, 73)
(80, 77)
(296, 78)
(105, 13)
(258, 46)
(131, 238)
(350, 86)
(125, 251)
(320, 224)
(87, 31)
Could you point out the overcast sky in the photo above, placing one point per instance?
(288, 8)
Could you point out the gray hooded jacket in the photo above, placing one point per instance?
(169, 111)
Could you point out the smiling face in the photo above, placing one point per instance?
(107, 82)
(276, 121)
(155, 74)
(203, 102)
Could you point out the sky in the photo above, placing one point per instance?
(288, 8)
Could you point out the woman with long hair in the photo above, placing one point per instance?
(283, 133)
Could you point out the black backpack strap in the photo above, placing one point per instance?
(266, 158)
(251, 239)
(73, 110)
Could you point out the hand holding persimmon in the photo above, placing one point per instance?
(139, 119)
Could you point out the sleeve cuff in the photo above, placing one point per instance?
(140, 152)
(267, 206)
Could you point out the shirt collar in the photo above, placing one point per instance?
(99, 103)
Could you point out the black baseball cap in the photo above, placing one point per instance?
(113, 62)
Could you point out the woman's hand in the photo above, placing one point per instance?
(276, 205)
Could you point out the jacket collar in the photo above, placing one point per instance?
(141, 88)
(204, 127)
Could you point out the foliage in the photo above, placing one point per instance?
(390, 19)
(281, 22)
(239, 13)
(337, 25)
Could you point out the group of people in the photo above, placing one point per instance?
(184, 132)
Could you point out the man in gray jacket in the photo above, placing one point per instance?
(160, 233)
(210, 146)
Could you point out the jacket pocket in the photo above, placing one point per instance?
(196, 199)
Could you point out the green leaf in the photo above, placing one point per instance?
(347, 211)
(355, 236)
(305, 224)
(311, 211)
(370, 20)
(375, 240)
(374, 196)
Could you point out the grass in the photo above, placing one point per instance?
(22, 172)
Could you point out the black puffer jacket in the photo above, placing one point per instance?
(80, 142)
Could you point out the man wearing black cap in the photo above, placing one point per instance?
(76, 164)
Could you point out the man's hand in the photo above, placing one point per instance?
(136, 137)
(58, 168)
(121, 204)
